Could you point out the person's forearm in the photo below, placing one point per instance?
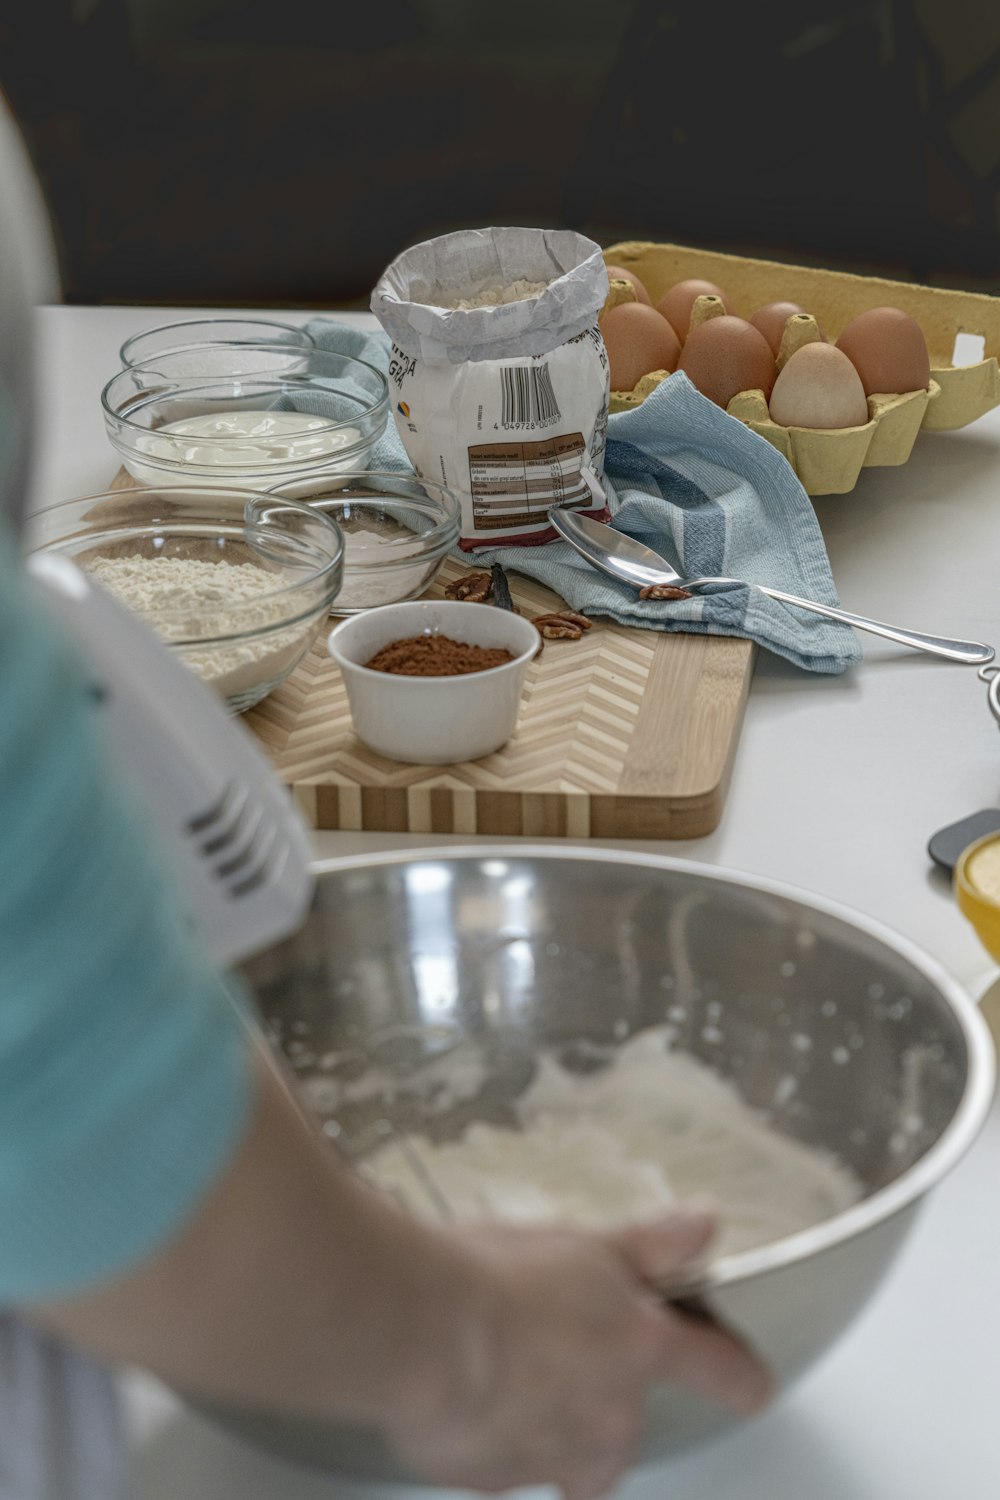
(295, 1285)
(488, 1357)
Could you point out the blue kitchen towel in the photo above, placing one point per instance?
(698, 487)
(373, 345)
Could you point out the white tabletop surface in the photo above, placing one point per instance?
(838, 785)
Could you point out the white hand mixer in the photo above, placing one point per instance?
(239, 847)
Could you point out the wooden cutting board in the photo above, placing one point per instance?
(623, 734)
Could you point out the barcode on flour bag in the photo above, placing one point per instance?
(527, 397)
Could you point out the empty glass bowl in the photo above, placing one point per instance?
(320, 416)
(237, 583)
(397, 531)
(220, 360)
(192, 337)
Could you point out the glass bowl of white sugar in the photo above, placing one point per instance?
(397, 532)
(238, 584)
(314, 414)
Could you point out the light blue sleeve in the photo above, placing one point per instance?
(124, 1073)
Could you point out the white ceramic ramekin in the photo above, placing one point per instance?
(431, 721)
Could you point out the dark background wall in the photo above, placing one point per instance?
(282, 151)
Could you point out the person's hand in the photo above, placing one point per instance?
(560, 1354)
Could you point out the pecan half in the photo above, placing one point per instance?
(562, 626)
(664, 591)
(475, 587)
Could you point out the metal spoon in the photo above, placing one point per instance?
(631, 562)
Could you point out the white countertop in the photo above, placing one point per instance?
(838, 785)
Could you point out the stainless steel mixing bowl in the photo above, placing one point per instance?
(842, 1032)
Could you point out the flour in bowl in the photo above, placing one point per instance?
(623, 1144)
(188, 599)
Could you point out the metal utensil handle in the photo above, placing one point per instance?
(991, 676)
(973, 653)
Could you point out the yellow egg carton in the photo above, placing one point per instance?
(828, 462)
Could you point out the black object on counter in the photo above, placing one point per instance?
(948, 844)
(501, 589)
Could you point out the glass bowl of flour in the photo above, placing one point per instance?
(397, 532)
(307, 415)
(237, 584)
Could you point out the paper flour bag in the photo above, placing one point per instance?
(498, 374)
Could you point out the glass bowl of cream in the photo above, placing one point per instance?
(397, 532)
(319, 414)
(209, 345)
(238, 584)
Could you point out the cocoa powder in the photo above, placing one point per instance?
(436, 656)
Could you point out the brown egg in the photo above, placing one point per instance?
(888, 350)
(818, 387)
(619, 273)
(676, 304)
(727, 355)
(638, 341)
(771, 320)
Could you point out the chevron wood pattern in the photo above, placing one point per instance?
(623, 734)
